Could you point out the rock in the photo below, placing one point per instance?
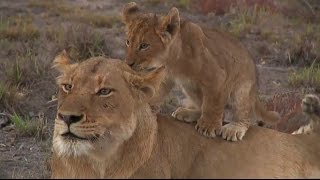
(4, 121)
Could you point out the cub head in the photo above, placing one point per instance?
(97, 104)
(148, 36)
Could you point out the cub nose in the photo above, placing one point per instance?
(129, 62)
(69, 119)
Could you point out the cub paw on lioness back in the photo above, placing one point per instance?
(311, 107)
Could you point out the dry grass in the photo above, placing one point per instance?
(25, 67)
(3, 91)
(246, 18)
(10, 97)
(76, 14)
(306, 77)
(154, 2)
(18, 28)
(81, 42)
(56, 8)
(183, 3)
(36, 126)
(306, 47)
(94, 19)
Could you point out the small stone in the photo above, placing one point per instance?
(8, 127)
(31, 114)
(4, 121)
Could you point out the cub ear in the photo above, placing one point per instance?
(148, 83)
(129, 12)
(62, 62)
(169, 25)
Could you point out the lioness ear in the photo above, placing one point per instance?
(148, 83)
(129, 12)
(62, 61)
(169, 25)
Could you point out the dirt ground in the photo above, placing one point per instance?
(283, 38)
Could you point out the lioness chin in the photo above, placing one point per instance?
(211, 67)
(104, 128)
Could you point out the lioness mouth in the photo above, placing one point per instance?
(72, 136)
(148, 69)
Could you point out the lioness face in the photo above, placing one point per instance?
(96, 105)
(149, 37)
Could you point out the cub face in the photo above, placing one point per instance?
(148, 36)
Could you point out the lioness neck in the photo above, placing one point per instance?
(137, 150)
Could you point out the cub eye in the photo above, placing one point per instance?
(67, 87)
(105, 92)
(127, 43)
(143, 46)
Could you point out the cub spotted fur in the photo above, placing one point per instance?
(211, 67)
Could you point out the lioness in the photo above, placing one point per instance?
(104, 128)
(211, 67)
(311, 107)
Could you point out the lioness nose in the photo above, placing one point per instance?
(69, 119)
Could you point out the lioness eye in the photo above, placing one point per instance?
(105, 92)
(127, 43)
(67, 87)
(143, 46)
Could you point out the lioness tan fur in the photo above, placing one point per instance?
(104, 104)
(211, 66)
(311, 107)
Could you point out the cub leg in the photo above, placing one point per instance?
(191, 112)
(187, 115)
(243, 106)
(212, 112)
(165, 87)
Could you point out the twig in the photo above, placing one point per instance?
(309, 6)
(51, 101)
(6, 114)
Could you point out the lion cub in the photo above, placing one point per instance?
(311, 107)
(210, 66)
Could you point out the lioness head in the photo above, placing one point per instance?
(148, 36)
(97, 102)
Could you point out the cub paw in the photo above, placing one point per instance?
(310, 104)
(207, 129)
(303, 130)
(233, 131)
(186, 115)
